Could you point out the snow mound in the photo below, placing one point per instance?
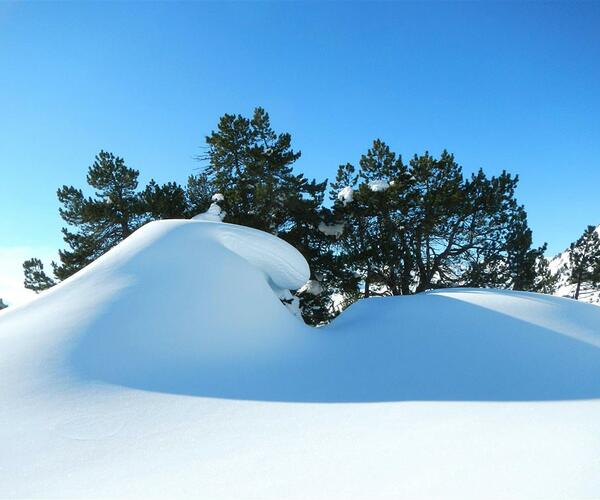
(97, 377)
(177, 306)
(194, 308)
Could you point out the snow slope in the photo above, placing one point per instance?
(169, 367)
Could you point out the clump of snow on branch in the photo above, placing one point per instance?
(378, 185)
(332, 229)
(346, 195)
(214, 213)
(312, 287)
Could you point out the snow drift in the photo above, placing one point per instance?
(173, 352)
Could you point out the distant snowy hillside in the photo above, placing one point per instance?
(170, 368)
(559, 266)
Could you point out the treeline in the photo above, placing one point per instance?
(382, 227)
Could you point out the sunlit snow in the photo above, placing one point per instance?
(346, 195)
(170, 368)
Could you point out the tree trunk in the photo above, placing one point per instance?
(578, 287)
(125, 229)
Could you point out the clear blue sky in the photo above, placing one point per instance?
(511, 86)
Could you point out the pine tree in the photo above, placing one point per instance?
(374, 245)
(301, 231)
(95, 224)
(199, 192)
(421, 226)
(467, 231)
(584, 259)
(252, 167)
(545, 281)
(36, 278)
(101, 221)
(525, 267)
(165, 202)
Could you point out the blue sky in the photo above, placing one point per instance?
(506, 85)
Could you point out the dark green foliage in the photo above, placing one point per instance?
(429, 227)
(545, 281)
(36, 278)
(199, 192)
(102, 221)
(97, 223)
(300, 230)
(251, 166)
(584, 260)
(165, 202)
(408, 227)
(374, 246)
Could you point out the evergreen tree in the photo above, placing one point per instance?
(165, 202)
(101, 221)
(520, 258)
(252, 167)
(95, 224)
(301, 231)
(422, 226)
(199, 192)
(584, 260)
(374, 245)
(467, 231)
(392, 228)
(36, 278)
(515, 264)
(545, 281)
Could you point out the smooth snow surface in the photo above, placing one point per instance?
(170, 367)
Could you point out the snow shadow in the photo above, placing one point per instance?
(423, 347)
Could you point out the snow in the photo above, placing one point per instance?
(560, 265)
(332, 229)
(214, 214)
(291, 302)
(378, 185)
(346, 195)
(312, 287)
(217, 197)
(169, 367)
